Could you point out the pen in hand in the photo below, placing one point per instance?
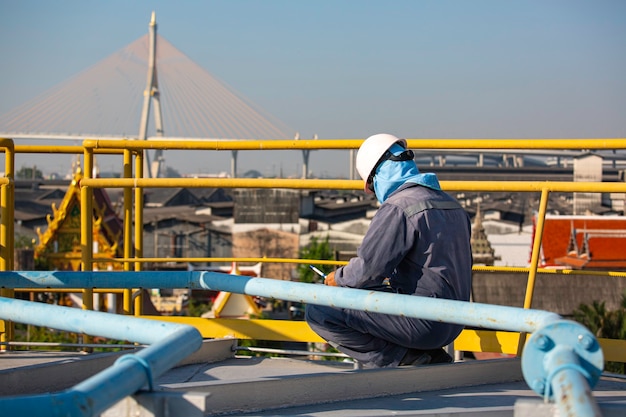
(317, 271)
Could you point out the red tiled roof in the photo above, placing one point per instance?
(603, 238)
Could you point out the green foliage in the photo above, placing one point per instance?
(29, 333)
(28, 173)
(42, 263)
(23, 242)
(171, 172)
(316, 249)
(604, 324)
(197, 309)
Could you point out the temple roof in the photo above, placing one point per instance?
(584, 242)
(59, 245)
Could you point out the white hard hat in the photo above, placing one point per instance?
(370, 152)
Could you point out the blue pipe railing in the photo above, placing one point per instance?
(170, 343)
(470, 314)
(560, 356)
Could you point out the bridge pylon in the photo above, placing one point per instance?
(151, 93)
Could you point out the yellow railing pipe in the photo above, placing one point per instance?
(535, 186)
(549, 271)
(521, 186)
(62, 149)
(483, 268)
(233, 259)
(223, 183)
(330, 144)
(521, 144)
(71, 290)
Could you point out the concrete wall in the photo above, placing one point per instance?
(560, 294)
(271, 244)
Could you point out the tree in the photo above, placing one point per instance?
(28, 173)
(171, 173)
(604, 324)
(253, 173)
(319, 250)
(23, 242)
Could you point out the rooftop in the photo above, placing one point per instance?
(215, 381)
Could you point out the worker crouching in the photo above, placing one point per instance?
(418, 243)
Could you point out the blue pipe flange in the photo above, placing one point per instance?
(557, 346)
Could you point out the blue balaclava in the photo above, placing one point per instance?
(390, 175)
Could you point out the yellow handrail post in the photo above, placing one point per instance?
(7, 208)
(86, 234)
(7, 238)
(139, 161)
(128, 225)
(534, 259)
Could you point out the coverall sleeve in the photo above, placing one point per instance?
(388, 239)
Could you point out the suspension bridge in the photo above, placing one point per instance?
(112, 100)
(106, 100)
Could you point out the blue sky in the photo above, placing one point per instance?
(348, 69)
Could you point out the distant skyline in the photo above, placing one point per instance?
(349, 69)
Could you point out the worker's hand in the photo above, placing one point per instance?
(330, 279)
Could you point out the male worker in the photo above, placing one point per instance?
(418, 243)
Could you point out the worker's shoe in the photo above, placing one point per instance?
(439, 356)
(416, 357)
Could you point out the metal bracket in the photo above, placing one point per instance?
(561, 346)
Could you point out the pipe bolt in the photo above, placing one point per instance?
(539, 385)
(585, 341)
(543, 342)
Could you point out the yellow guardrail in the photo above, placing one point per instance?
(132, 182)
(299, 331)
(7, 223)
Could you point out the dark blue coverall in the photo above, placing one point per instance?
(419, 239)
